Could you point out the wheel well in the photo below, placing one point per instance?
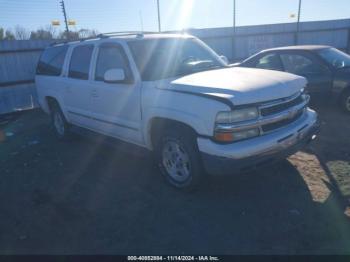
(160, 125)
(51, 101)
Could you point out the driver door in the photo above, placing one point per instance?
(116, 107)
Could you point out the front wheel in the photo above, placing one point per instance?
(178, 159)
(345, 101)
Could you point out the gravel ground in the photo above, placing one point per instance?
(83, 197)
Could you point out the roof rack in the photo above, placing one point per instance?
(107, 35)
(125, 33)
(75, 40)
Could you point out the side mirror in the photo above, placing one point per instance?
(224, 58)
(114, 75)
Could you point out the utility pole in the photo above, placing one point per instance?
(298, 24)
(234, 29)
(65, 17)
(158, 9)
(234, 15)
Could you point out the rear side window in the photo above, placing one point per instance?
(80, 62)
(111, 56)
(51, 61)
(300, 65)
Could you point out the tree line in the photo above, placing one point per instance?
(44, 33)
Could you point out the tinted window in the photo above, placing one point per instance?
(80, 62)
(335, 57)
(270, 61)
(111, 57)
(51, 61)
(299, 64)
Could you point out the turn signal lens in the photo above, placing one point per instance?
(236, 136)
(224, 137)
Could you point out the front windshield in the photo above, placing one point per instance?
(165, 58)
(335, 57)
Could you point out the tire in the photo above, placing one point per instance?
(59, 122)
(345, 101)
(178, 159)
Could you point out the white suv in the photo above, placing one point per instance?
(175, 96)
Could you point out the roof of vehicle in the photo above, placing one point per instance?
(299, 47)
(126, 36)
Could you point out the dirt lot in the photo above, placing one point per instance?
(86, 198)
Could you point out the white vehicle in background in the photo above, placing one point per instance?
(175, 96)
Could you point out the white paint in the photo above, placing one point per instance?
(127, 111)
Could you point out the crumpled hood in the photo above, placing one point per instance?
(241, 85)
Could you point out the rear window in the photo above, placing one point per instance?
(51, 61)
(80, 62)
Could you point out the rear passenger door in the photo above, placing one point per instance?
(77, 90)
(319, 77)
(116, 107)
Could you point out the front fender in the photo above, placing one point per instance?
(190, 119)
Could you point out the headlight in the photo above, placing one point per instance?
(237, 115)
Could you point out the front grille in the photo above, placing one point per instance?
(281, 107)
(270, 127)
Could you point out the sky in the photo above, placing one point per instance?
(121, 15)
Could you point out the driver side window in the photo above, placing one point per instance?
(111, 56)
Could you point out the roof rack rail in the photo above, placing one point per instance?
(73, 40)
(124, 33)
(105, 35)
